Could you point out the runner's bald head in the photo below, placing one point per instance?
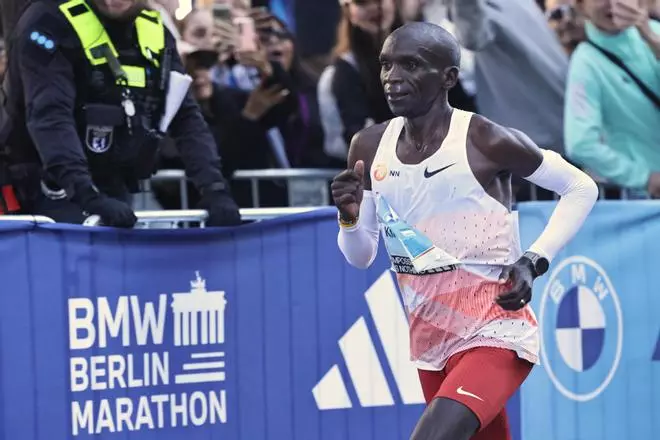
(419, 65)
(431, 40)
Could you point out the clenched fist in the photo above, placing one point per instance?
(347, 190)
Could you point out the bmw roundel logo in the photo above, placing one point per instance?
(582, 328)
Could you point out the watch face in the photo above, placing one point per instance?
(542, 265)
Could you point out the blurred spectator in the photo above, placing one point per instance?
(520, 65)
(654, 9)
(198, 29)
(245, 70)
(239, 70)
(568, 22)
(350, 92)
(239, 121)
(3, 59)
(411, 10)
(462, 96)
(611, 123)
(302, 132)
(167, 9)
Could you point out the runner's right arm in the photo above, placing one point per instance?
(351, 191)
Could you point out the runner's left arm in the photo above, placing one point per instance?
(516, 152)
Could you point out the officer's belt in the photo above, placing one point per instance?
(93, 37)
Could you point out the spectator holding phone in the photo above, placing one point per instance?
(567, 20)
(350, 92)
(199, 29)
(246, 64)
(520, 66)
(239, 121)
(613, 97)
(302, 132)
(3, 59)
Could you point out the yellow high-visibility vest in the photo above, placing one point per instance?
(93, 36)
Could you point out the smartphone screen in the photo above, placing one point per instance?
(222, 11)
(247, 34)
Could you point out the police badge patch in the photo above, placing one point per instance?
(99, 138)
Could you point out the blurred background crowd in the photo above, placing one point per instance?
(291, 87)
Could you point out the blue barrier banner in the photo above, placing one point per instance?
(598, 309)
(262, 332)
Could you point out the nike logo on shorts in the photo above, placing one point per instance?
(428, 174)
(462, 392)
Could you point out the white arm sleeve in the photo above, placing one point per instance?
(359, 243)
(578, 194)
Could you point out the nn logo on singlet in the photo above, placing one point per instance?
(368, 378)
(381, 172)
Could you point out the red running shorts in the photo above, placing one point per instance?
(483, 379)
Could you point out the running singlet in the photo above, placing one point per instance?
(452, 309)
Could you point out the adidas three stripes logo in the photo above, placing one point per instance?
(359, 352)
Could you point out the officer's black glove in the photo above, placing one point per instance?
(113, 212)
(518, 277)
(222, 209)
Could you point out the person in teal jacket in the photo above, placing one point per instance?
(610, 126)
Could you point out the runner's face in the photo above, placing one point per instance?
(370, 16)
(412, 76)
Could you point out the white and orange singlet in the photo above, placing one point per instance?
(453, 311)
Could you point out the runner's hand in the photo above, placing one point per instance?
(347, 189)
(519, 278)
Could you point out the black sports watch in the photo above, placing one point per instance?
(540, 264)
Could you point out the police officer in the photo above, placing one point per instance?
(85, 94)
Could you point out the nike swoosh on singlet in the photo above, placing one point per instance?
(430, 174)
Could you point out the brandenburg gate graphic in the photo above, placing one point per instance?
(199, 315)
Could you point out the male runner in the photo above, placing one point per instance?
(447, 173)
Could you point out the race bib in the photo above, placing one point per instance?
(410, 251)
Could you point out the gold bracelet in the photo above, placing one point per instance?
(344, 224)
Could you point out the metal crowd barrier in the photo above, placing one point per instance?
(603, 186)
(169, 176)
(27, 218)
(149, 219)
(311, 184)
(305, 186)
(298, 180)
